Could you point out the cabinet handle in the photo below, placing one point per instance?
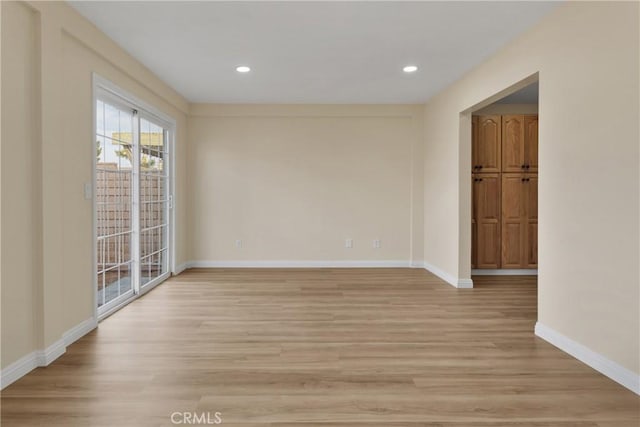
(523, 179)
(479, 179)
(523, 166)
(527, 166)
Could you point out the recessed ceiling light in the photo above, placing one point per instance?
(243, 69)
(410, 69)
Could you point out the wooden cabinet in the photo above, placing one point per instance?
(519, 220)
(486, 144)
(504, 224)
(519, 143)
(486, 221)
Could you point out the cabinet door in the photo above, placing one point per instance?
(531, 244)
(513, 220)
(488, 143)
(486, 191)
(474, 244)
(531, 143)
(513, 143)
(475, 161)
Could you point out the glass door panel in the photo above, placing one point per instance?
(114, 190)
(154, 201)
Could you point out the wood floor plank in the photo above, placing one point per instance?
(322, 348)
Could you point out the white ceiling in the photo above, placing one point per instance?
(311, 52)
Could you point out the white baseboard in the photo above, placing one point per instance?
(182, 267)
(28, 363)
(605, 366)
(78, 331)
(19, 368)
(51, 353)
(299, 264)
(453, 281)
(509, 272)
(38, 358)
(465, 284)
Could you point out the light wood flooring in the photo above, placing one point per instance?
(310, 348)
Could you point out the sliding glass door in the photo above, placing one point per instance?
(132, 200)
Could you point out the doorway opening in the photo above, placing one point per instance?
(502, 170)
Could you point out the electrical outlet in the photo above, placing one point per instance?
(376, 244)
(348, 243)
(238, 243)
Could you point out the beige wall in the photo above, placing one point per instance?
(586, 55)
(293, 182)
(49, 55)
(21, 240)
